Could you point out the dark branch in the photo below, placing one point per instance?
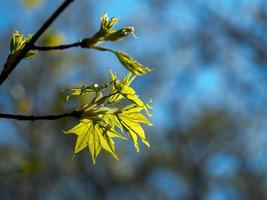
(59, 47)
(10, 65)
(74, 114)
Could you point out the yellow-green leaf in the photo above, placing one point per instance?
(95, 137)
(118, 85)
(128, 93)
(79, 128)
(107, 143)
(136, 117)
(134, 130)
(133, 136)
(128, 79)
(94, 143)
(132, 108)
(112, 120)
(114, 134)
(135, 100)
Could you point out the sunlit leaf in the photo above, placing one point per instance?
(79, 128)
(136, 117)
(132, 108)
(112, 120)
(114, 134)
(121, 88)
(128, 93)
(130, 124)
(94, 143)
(106, 141)
(93, 136)
(82, 130)
(133, 136)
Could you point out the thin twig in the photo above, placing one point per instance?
(59, 47)
(80, 43)
(10, 65)
(74, 114)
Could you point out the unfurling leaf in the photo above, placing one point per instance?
(132, 65)
(122, 89)
(128, 79)
(107, 33)
(129, 93)
(119, 34)
(18, 41)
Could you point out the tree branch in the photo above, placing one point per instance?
(74, 114)
(10, 65)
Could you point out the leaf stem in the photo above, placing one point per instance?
(103, 49)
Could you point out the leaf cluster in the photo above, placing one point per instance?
(102, 119)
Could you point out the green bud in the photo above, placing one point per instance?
(106, 24)
(120, 34)
(17, 43)
(132, 65)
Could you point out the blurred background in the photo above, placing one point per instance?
(208, 90)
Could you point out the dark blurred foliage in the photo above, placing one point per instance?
(208, 87)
